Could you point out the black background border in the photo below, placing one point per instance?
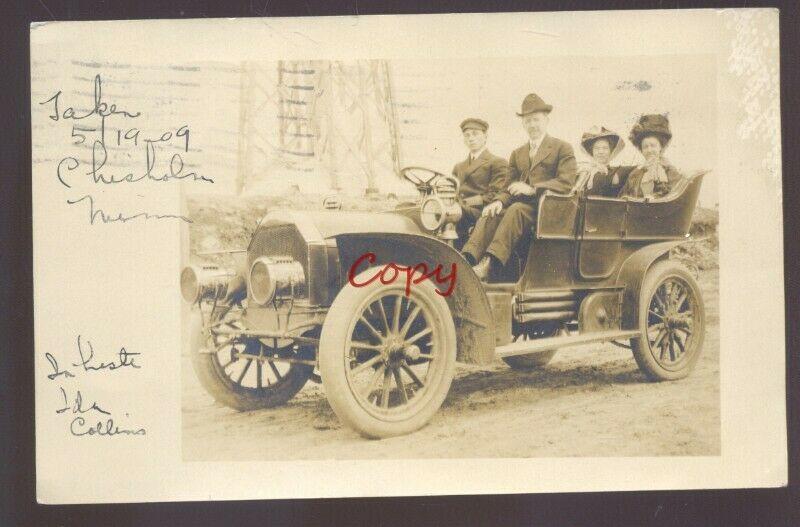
(750, 507)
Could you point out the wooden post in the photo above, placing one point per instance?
(371, 188)
(280, 106)
(326, 142)
(242, 164)
(391, 117)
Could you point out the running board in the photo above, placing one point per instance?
(525, 347)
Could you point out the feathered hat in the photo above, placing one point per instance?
(651, 124)
(601, 132)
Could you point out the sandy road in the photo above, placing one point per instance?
(589, 401)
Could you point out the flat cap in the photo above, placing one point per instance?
(475, 124)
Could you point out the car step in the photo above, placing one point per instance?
(524, 347)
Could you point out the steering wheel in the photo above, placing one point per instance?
(421, 177)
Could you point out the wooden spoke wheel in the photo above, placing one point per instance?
(246, 374)
(387, 360)
(672, 323)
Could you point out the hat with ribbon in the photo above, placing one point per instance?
(651, 125)
(474, 124)
(533, 103)
(601, 132)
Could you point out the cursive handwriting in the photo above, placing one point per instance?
(77, 405)
(100, 157)
(77, 428)
(94, 214)
(391, 271)
(91, 133)
(126, 358)
(82, 409)
(56, 371)
(100, 107)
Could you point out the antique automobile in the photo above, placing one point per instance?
(305, 303)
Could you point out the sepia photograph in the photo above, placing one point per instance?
(356, 256)
(484, 262)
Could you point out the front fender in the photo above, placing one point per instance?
(631, 277)
(468, 302)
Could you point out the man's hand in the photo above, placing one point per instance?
(518, 188)
(492, 209)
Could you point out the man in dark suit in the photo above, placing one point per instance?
(482, 175)
(543, 163)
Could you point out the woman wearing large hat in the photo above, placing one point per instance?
(655, 177)
(602, 179)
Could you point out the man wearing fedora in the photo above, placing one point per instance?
(543, 163)
(482, 175)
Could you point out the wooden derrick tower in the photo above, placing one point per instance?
(319, 123)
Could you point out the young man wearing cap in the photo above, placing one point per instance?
(543, 163)
(482, 175)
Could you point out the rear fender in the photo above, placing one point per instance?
(631, 277)
(468, 303)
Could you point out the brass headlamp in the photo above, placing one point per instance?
(441, 211)
(205, 282)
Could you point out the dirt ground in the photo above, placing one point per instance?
(589, 401)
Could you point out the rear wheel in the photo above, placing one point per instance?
(672, 323)
(239, 373)
(387, 360)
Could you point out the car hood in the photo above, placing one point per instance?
(317, 226)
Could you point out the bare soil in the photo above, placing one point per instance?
(589, 401)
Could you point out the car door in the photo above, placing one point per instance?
(601, 230)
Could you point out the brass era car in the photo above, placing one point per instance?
(598, 270)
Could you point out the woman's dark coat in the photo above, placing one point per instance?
(633, 186)
(610, 183)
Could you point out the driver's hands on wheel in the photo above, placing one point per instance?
(518, 188)
(492, 209)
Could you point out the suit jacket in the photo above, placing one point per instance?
(633, 186)
(605, 184)
(553, 168)
(484, 178)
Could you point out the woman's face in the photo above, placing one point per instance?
(651, 148)
(601, 151)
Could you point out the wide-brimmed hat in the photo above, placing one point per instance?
(601, 132)
(475, 124)
(651, 124)
(533, 103)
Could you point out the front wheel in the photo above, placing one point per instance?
(240, 374)
(672, 323)
(387, 360)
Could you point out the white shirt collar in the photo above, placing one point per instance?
(479, 153)
(535, 146)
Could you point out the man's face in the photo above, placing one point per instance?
(651, 148)
(474, 139)
(535, 124)
(601, 151)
